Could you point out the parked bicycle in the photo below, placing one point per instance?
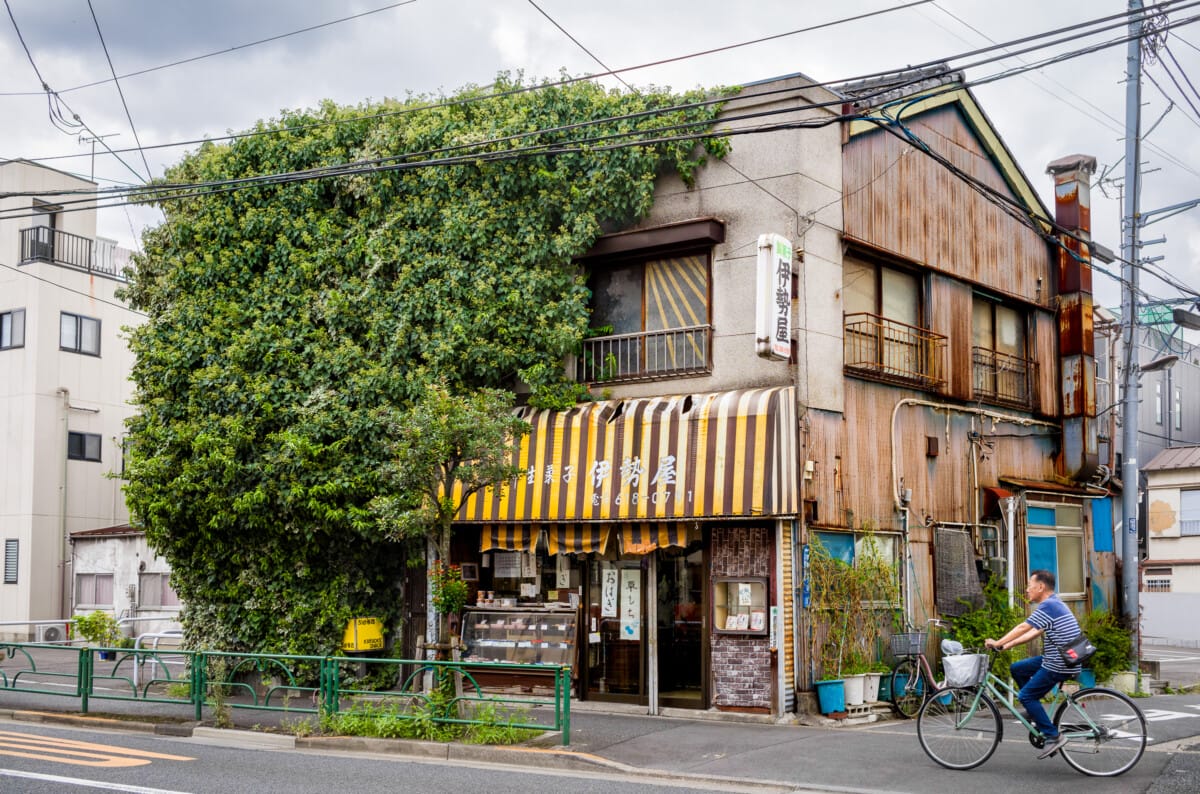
(959, 727)
(912, 677)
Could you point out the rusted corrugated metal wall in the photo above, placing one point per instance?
(955, 230)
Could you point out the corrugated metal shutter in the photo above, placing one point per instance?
(11, 548)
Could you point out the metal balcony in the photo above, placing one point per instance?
(881, 349)
(1002, 379)
(101, 257)
(651, 355)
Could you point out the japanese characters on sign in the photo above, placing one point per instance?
(773, 305)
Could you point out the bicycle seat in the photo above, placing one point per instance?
(951, 647)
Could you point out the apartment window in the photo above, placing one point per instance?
(883, 337)
(1055, 544)
(154, 590)
(83, 446)
(12, 329)
(12, 549)
(94, 590)
(1189, 512)
(656, 318)
(1158, 403)
(1000, 360)
(1177, 409)
(78, 334)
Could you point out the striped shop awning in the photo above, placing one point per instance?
(509, 538)
(725, 454)
(643, 538)
(577, 538)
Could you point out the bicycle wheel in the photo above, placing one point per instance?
(958, 732)
(1116, 742)
(908, 687)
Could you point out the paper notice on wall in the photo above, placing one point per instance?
(608, 593)
(631, 604)
(528, 565)
(562, 571)
(508, 565)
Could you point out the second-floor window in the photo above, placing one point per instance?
(1002, 370)
(1189, 512)
(12, 329)
(884, 337)
(83, 446)
(653, 316)
(79, 334)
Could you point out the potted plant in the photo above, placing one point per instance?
(828, 635)
(99, 628)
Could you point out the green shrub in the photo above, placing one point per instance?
(1114, 643)
(993, 619)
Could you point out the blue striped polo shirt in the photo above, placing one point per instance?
(1058, 622)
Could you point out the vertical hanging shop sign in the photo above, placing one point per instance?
(608, 593)
(631, 603)
(773, 302)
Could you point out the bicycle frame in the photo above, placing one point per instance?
(1005, 694)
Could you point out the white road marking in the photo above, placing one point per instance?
(97, 784)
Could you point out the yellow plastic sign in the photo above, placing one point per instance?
(363, 634)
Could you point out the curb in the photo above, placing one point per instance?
(85, 721)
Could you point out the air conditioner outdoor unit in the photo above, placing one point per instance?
(51, 633)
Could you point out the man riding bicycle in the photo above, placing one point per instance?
(1037, 675)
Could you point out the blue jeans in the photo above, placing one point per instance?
(1035, 681)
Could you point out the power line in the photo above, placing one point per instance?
(891, 87)
(1120, 19)
(27, 272)
(234, 48)
(120, 91)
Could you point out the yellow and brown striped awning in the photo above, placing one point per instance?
(509, 538)
(577, 538)
(707, 455)
(643, 537)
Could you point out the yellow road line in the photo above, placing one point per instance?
(70, 751)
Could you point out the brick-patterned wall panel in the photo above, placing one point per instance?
(741, 551)
(742, 672)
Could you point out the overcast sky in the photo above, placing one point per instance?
(429, 46)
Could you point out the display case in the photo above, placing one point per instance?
(520, 635)
(740, 605)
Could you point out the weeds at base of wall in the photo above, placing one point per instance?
(418, 721)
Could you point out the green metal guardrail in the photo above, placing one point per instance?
(271, 682)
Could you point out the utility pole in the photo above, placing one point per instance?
(1129, 274)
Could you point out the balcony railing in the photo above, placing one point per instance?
(883, 349)
(1001, 378)
(102, 257)
(651, 355)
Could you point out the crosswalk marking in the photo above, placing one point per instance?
(71, 751)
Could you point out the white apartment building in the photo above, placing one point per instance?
(64, 394)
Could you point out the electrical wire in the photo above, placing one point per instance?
(90, 296)
(1119, 18)
(120, 91)
(658, 111)
(225, 51)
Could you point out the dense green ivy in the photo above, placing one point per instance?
(291, 324)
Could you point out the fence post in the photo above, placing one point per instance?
(330, 702)
(84, 675)
(199, 685)
(564, 686)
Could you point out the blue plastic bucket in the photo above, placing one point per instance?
(831, 696)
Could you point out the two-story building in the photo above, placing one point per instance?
(64, 399)
(936, 389)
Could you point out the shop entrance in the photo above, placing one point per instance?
(682, 640)
(627, 597)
